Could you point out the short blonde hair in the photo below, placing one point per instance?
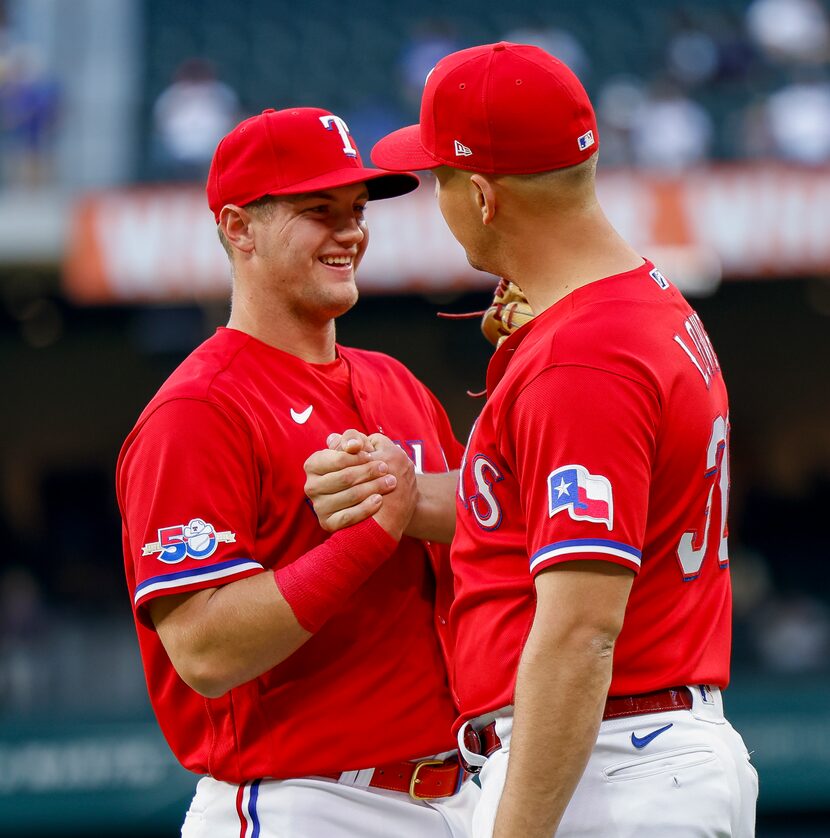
(571, 177)
(262, 209)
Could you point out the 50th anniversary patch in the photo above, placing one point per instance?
(198, 539)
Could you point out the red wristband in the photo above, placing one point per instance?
(318, 583)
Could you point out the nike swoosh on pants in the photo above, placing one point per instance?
(641, 741)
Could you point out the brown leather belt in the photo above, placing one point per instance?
(673, 698)
(428, 779)
(487, 742)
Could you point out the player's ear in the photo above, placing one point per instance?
(485, 197)
(235, 223)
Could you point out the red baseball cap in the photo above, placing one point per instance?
(502, 109)
(289, 152)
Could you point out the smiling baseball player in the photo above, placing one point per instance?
(303, 676)
(592, 613)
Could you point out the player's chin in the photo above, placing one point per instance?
(340, 299)
(477, 263)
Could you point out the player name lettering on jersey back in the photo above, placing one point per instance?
(701, 353)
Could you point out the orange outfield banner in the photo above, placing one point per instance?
(159, 243)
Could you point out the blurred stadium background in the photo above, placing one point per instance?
(715, 134)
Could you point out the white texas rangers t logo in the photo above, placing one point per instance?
(586, 496)
(331, 122)
(197, 540)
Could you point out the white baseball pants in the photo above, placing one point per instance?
(690, 780)
(317, 808)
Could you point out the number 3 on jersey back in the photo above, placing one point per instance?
(692, 549)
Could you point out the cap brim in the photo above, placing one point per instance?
(401, 151)
(379, 184)
(386, 185)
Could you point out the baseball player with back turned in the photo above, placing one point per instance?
(591, 624)
(303, 675)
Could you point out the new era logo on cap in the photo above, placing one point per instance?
(461, 150)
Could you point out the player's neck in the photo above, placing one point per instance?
(313, 342)
(568, 254)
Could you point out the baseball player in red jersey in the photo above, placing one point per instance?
(592, 615)
(303, 675)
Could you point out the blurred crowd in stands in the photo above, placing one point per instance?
(29, 112)
(725, 84)
(675, 84)
(728, 85)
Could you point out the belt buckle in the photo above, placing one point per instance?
(414, 781)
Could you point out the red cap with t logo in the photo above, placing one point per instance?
(504, 109)
(289, 152)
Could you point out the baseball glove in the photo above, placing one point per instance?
(509, 311)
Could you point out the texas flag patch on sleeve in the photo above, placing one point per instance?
(586, 496)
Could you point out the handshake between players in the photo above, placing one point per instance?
(362, 475)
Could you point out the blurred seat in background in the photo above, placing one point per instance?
(797, 120)
(670, 130)
(557, 41)
(429, 41)
(189, 118)
(790, 31)
(793, 634)
(619, 102)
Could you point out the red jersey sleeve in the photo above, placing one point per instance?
(186, 483)
(583, 443)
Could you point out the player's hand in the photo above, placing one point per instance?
(399, 504)
(346, 481)
(350, 441)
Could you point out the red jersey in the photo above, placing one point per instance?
(210, 486)
(604, 436)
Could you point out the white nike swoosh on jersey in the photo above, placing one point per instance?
(301, 418)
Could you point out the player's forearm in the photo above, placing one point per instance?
(434, 516)
(562, 684)
(221, 638)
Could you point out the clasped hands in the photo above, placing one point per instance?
(358, 477)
